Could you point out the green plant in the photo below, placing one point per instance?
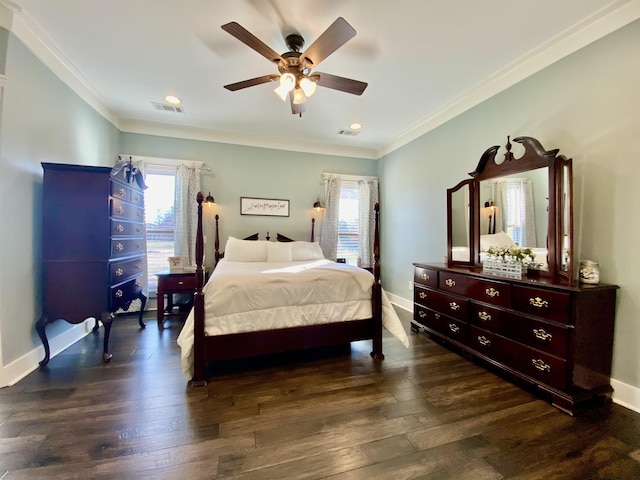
(514, 254)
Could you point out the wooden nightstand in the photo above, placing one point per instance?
(170, 283)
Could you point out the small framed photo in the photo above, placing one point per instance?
(176, 264)
(264, 206)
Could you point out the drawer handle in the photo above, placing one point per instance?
(138, 246)
(180, 283)
(119, 247)
(138, 284)
(538, 302)
(138, 230)
(120, 209)
(138, 265)
(437, 315)
(139, 213)
(484, 316)
(454, 328)
(137, 197)
(422, 295)
(121, 192)
(540, 365)
(118, 293)
(425, 276)
(454, 306)
(450, 282)
(120, 228)
(484, 341)
(119, 272)
(542, 335)
(492, 292)
(422, 314)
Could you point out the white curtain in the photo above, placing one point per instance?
(329, 234)
(186, 213)
(367, 198)
(528, 215)
(522, 195)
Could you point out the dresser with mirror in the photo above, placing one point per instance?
(541, 329)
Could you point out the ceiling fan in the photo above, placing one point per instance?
(297, 83)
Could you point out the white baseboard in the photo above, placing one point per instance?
(29, 362)
(624, 395)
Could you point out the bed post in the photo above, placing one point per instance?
(217, 242)
(376, 293)
(199, 375)
(313, 226)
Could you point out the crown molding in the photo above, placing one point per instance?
(275, 143)
(597, 26)
(36, 40)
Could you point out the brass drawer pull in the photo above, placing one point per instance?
(119, 247)
(121, 192)
(425, 276)
(120, 209)
(119, 293)
(119, 272)
(138, 284)
(450, 282)
(539, 303)
(437, 315)
(180, 283)
(484, 316)
(542, 335)
(138, 265)
(137, 198)
(422, 314)
(540, 365)
(492, 292)
(120, 228)
(484, 341)
(139, 213)
(454, 306)
(422, 295)
(454, 328)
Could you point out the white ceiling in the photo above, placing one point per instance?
(424, 60)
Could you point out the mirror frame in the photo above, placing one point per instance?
(559, 173)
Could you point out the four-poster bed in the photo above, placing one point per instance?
(237, 314)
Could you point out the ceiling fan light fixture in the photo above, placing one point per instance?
(298, 96)
(308, 86)
(282, 91)
(287, 83)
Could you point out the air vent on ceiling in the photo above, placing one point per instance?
(349, 133)
(165, 107)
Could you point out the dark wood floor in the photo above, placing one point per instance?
(424, 412)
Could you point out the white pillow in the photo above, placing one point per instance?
(304, 251)
(245, 250)
(500, 239)
(279, 252)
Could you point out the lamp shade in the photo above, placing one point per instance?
(210, 200)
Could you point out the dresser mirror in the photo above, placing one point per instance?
(522, 199)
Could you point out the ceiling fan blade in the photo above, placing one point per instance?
(355, 87)
(252, 82)
(338, 33)
(249, 39)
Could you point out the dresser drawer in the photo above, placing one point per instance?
(119, 271)
(489, 291)
(137, 198)
(126, 229)
(543, 303)
(540, 366)
(448, 326)
(452, 305)
(549, 338)
(487, 317)
(173, 283)
(118, 190)
(121, 295)
(126, 247)
(423, 296)
(126, 211)
(426, 276)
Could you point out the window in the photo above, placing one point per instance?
(159, 213)
(348, 226)
(514, 211)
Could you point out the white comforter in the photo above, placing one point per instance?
(251, 296)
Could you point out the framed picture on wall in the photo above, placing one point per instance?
(272, 207)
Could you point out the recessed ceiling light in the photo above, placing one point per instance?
(355, 126)
(173, 100)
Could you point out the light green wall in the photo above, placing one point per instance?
(239, 171)
(42, 121)
(588, 106)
